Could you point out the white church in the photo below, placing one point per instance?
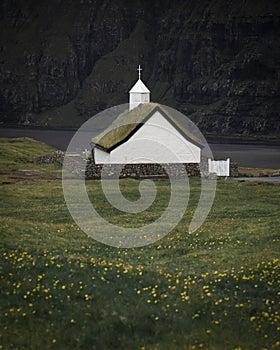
(145, 133)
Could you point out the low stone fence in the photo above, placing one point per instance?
(81, 167)
(49, 158)
(233, 169)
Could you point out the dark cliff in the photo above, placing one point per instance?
(216, 61)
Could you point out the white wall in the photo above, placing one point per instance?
(101, 157)
(155, 142)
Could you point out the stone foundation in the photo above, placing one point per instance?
(93, 171)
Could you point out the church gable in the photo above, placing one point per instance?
(128, 123)
(156, 141)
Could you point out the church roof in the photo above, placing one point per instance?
(139, 87)
(127, 123)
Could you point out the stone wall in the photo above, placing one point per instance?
(233, 169)
(81, 167)
(49, 158)
(93, 171)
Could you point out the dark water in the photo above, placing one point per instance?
(246, 155)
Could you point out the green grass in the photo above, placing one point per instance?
(257, 172)
(18, 155)
(217, 288)
(19, 151)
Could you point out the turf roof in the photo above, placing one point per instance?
(127, 123)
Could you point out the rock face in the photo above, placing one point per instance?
(216, 61)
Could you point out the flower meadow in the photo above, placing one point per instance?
(54, 302)
(217, 288)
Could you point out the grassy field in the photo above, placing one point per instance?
(217, 288)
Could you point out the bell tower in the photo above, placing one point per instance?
(139, 93)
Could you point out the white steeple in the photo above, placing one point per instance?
(139, 92)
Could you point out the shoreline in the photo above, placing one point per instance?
(246, 153)
(210, 138)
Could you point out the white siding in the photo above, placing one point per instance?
(101, 157)
(157, 141)
(135, 99)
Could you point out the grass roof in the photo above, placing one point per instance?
(129, 121)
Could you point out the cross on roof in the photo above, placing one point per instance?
(139, 71)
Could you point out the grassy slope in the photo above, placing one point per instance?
(21, 150)
(215, 289)
(20, 154)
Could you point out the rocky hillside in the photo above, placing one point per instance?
(218, 61)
